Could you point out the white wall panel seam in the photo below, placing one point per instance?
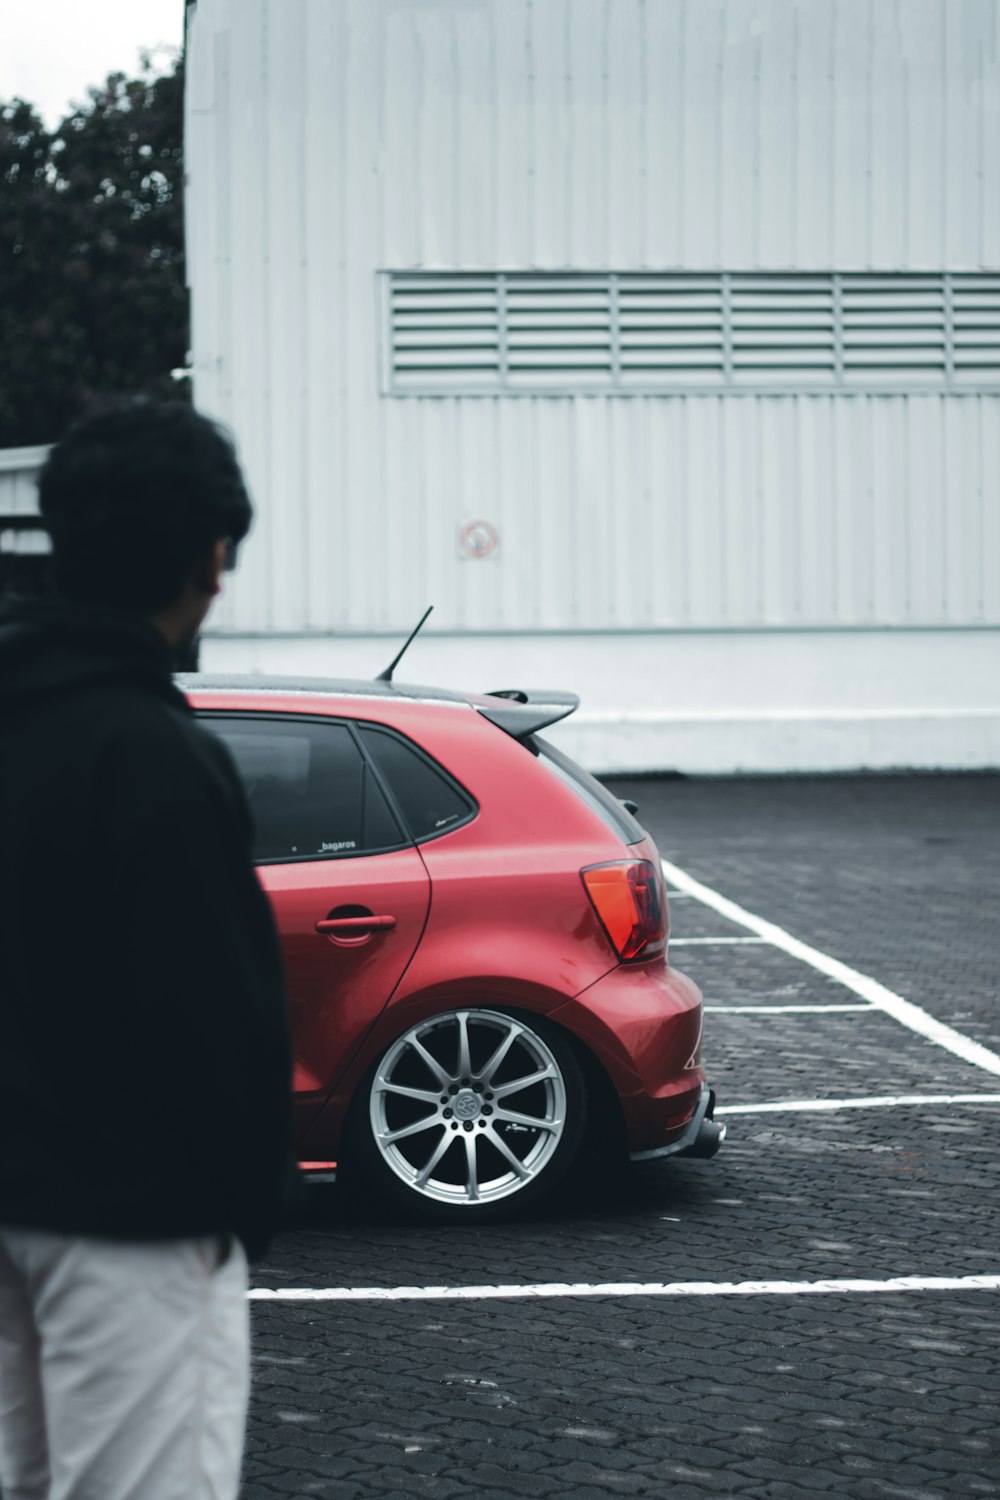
(946, 131)
(983, 550)
(869, 205)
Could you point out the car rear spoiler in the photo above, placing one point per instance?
(522, 714)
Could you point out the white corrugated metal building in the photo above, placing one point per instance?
(655, 342)
(18, 470)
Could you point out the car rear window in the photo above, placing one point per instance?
(311, 791)
(612, 813)
(430, 801)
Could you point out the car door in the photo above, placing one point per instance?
(349, 891)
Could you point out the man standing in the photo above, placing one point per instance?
(144, 1058)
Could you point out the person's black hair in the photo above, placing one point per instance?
(134, 495)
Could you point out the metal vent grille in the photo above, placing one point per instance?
(669, 328)
(782, 328)
(554, 328)
(893, 325)
(522, 332)
(975, 328)
(445, 328)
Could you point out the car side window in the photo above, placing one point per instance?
(430, 801)
(311, 791)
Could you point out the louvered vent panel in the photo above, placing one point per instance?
(557, 330)
(782, 329)
(975, 310)
(670, 329)
(894, 328)
(444, 329)
(481, 332)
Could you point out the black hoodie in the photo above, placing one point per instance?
(144, 1054)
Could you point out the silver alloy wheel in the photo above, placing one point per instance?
(468, 1107)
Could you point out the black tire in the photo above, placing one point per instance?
(515, 1165)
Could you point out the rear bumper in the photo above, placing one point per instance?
(702, 1137)
(643, 1024)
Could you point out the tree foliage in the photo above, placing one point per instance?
(92, 287)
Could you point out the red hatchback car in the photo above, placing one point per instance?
(475, 937)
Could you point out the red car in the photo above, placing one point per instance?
(475, 936)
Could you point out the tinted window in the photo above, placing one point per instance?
(597, 797)
(311, 792)
(431, 803)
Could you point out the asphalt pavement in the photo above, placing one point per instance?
(833, 1172)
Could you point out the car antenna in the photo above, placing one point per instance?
(386, 676)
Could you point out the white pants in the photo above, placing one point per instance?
(123, 1368)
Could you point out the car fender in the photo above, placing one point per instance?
(487, 991)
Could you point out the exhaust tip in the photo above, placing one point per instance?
(708, 1140)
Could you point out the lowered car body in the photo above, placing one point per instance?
(475, 937)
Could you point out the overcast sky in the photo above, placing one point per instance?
(51, 50)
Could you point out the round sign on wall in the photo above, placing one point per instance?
(479, 539)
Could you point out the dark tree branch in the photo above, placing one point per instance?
(92, 286)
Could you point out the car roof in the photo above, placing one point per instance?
(333, 687)
(518, 713)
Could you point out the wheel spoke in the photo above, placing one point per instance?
(430, 1061)
(389, 1137)
(504, 1149)
(434, 1158)
(471, 1169)
(510, 1117)
(464, 1056)
(503, 1089)
(426, 1096)
(486, 1073)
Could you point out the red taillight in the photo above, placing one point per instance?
(626, 898)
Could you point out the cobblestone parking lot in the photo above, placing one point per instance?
(815, 1310)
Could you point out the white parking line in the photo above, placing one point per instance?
(555, 1289)
(873, 1101)
(903, 1011)
(713, 942)
(783, 1010)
